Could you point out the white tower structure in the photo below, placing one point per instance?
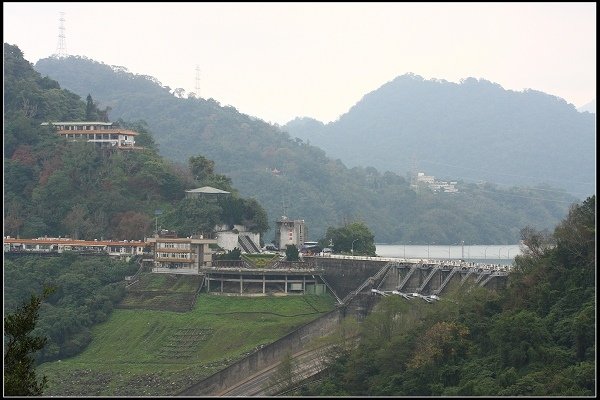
(61, 49)
(197, 88)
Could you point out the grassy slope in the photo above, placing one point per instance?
(147, 352)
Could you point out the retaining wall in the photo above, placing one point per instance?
(268, 355)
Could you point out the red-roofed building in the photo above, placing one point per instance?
(104, 134)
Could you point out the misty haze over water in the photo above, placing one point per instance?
(487, 254)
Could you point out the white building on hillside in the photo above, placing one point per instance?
(435, 185)
(239, 236)
(290, 232)
(104, 134)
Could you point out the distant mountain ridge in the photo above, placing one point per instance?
(588, 107)
(288, 176)
(474, 130)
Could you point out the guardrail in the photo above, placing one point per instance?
(429, 261)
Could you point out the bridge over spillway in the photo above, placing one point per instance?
(357, 283)
(351, 275)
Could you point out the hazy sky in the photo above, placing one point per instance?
(277, 61)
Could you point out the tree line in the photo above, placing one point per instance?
(535, 338)
(59, 188)
(289, 176)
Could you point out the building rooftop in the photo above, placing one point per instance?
(99, 132)
(78, 123)
(207, 189)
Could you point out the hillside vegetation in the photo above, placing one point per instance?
(289, 176)
(536, 338)
(87, 291)
(57, 188)
(160, 353)
(473, 130)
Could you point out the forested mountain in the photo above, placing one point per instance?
(536, 338)
(291, 177)
(58, 188)
(474, 130)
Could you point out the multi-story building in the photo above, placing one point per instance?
(290, 232)
(238, 236)
(181, 255)
(125, 248)
(435, 185)
(104, 134)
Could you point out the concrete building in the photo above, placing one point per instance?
(436, 185)
(103, 134)
(278, 278)
(239, 236)
(44, 245)
(429, 179)
(290, 232)
(181, 255)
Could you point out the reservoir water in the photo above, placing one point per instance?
(491, 254)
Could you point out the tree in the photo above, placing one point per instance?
(291, 252)
(132, 225)
(201, 167)
(90, 108)
(355, 237)
(103, 114)
(255, 217)
(575, 235)
(19, 369)
(192, 215)
(93, 113)
(78, 222)
(233, 255)
(179, 92)
(536, 242)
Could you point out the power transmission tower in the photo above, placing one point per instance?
(197, 81)
(61, 49)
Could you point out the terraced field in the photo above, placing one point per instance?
(151, 352)
(166, 292)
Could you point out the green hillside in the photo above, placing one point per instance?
(159, 353)
(57, 188)
(290, 176)
(536, 338)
